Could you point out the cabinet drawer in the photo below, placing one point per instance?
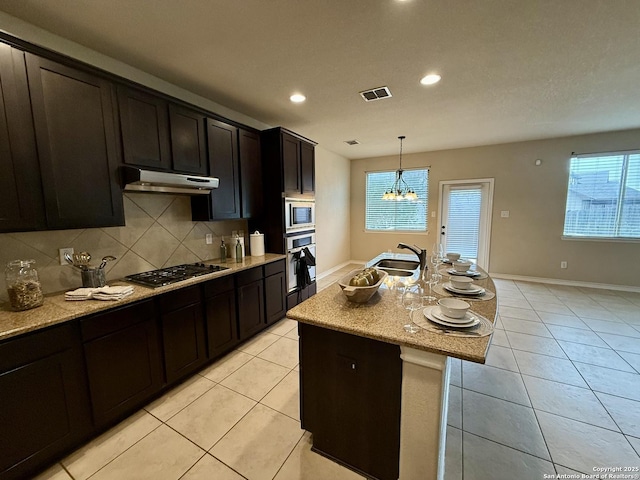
(249, 276)
(180, 298)
(217, 286)
(273, 268)
(114, 320)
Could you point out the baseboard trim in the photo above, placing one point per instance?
(320, 276)
(573, 283)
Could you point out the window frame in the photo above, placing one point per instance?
(396, 231)
(625, 167)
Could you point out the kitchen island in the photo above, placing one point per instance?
(374, 396)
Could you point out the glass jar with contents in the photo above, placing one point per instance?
(23, 285)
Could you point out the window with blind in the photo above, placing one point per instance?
(391, 215)
(463, 220)
(603, 198)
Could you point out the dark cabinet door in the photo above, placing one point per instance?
(358, 380)
(75, 134)
(275, 291)
(250, 173)
(223, 164)
(21, 203)
(250, 309)
(291, 163)
(222, 327)
(307, 168)
(122, 355)
(45, 407)
(145, 129)
(188, 143)
(182, 332)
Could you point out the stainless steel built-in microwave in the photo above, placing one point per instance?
(300, 214)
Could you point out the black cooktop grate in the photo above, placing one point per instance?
(166, 276)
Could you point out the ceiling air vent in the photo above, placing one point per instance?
(352, 142)
(376, 94)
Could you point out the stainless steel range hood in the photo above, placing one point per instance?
(138, 180)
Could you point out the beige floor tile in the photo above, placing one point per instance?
(543, 298)
(581, 447)
(179, 397)
(285, 396)
(90, 458)
(283, 352)
(613, 382)
(563, 320)
(549, 368)
(494, 382)
(259, 444)
(303, 464)
(525, 326)
(576, 335)
(596, 313)
(510, 294)
(55, 472)
(453, 455)
(568, 401)
(255, 378)
(501, 357)
(604, 357)
(163, 454)
(500, 339)
(226, 366)
(625, 412)
(454, 414)
(568, 471)
(293, 334)
(209, 468)
(520, 313)
(456, 372)
(551, 308)
(534, 344)
(484, 459)
(283, 327)
(530, 287)
(615, 328)
(503, 422)
(632, 359)
(513, 302)
(635, 443)
(210, 417)
(621, 344)
(258, 343)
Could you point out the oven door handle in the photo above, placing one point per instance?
(299, 249)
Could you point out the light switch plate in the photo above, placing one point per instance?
(208, 238)
(504, 213)
(62, 251)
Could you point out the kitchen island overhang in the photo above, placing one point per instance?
(425, 368)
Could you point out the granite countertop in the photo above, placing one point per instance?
(382, 318)
(57, 310)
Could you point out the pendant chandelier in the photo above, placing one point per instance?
(400, 189)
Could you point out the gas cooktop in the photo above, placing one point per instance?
(166, 276)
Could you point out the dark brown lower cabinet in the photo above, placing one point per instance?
(275, 291)
(299, 296)
(44, 405)
(220, 313)
(250, 292)
(350, 392)
(122, 354)
(183, 337)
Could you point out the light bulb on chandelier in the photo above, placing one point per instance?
(400, 190)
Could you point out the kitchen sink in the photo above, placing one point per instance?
(397, 264)
(395, 272)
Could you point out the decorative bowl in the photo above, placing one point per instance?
(454, 257)
(461, 283)
(453, 307)
(360, 294)
(461, 266)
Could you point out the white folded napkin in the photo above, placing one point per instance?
(117, 292)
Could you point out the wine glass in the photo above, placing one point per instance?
(432, 281)
(412, 301)
(435, 262)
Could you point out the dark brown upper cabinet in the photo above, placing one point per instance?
(144, 122)
(294, 156)
(21, 202)
(250, 173)
(224, 201)
(188, 142)
(73, 114)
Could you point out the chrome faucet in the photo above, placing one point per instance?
(422, 254)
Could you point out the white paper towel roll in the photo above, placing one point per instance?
(256, 241)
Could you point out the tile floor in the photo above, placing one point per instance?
(560, 393)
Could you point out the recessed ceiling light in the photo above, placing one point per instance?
(430, 79)
(297, 98)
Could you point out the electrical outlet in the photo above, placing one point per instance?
(504, 213)
(63, 261)
(208, 238)
(433, 214)
(563, 264)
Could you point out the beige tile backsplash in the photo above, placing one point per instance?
(159, 233)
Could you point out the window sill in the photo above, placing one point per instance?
(398, 232)
(602, 239)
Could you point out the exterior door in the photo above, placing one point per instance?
(465, 218)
